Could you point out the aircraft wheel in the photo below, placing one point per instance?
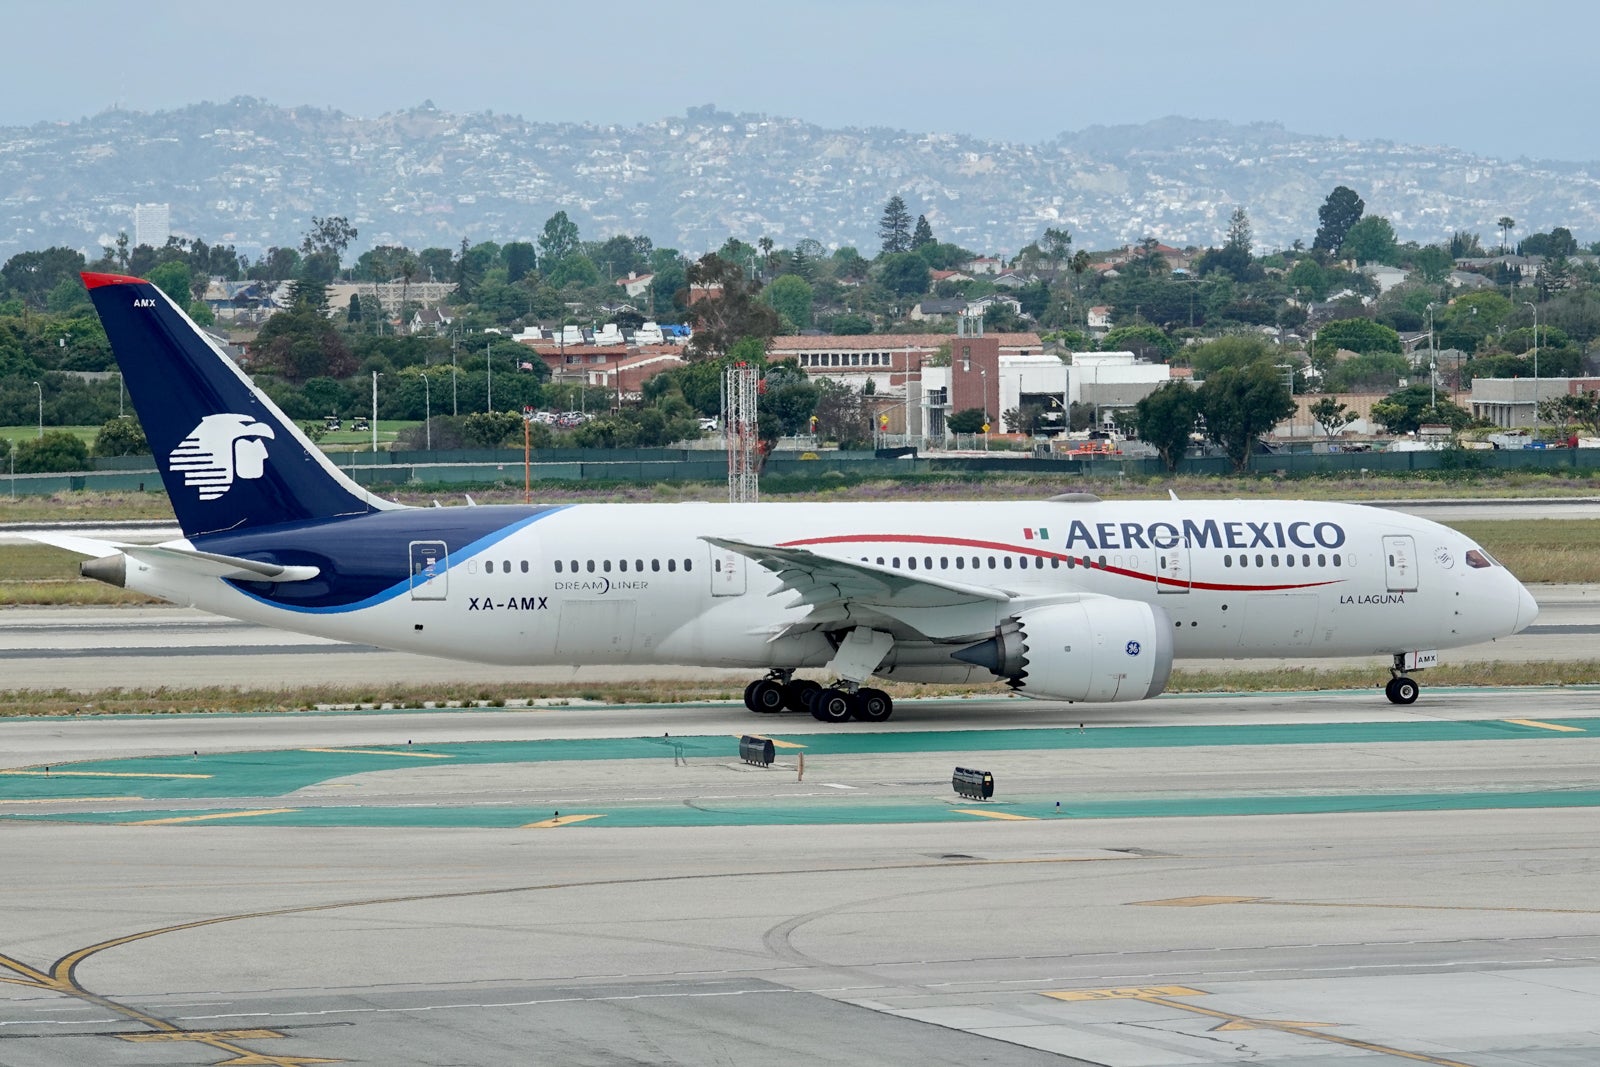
(798, 693)
(1402, 690)
(833, 705)
(766, 697)
(749, 694)
(873, 705)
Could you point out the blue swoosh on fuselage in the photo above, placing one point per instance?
(366, 559)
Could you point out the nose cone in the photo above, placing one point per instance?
(1527, 609)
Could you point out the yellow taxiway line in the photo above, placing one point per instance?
(211, 816)
(1547, 726)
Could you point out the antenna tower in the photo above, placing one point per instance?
(739, 390)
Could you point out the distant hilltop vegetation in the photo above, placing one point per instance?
(253, 174)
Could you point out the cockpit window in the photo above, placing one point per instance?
(1476, 557)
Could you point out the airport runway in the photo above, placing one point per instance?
(1299, 880)
(148, 647)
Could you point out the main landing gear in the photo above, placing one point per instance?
(781, 691)
(1401, 689)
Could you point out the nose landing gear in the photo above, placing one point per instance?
(1401, 688)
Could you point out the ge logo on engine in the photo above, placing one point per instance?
(1133, 648)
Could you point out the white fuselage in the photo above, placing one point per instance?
(636, 583)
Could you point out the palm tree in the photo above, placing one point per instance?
(1080, 263)
(1506, 224)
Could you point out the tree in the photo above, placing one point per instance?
(842, 414)
(56, 451)
(1401, 411)
(1506, 224)
(1434, 263)
(558, 240)
(1241, 404)
(1143, 340)
(172, 278)
(1165, 419)
(904, 274)
(894, 228)
(923, 234)
(1337, 214)
(969, 420)
(790, 296)
(520, 259)
(490, 429)
(1239, 231)
(329, 236)
(300, 344)
(32, 275)
(729, 312)
(1237, 350)
(1371, 240)
(121, 437)
(1354, 335)
(1056, 244)
(1331, 414)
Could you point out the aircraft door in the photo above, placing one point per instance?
(727, 572)
(1400, 562)
(1172, 564)
(430, 570)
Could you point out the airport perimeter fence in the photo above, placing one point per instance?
(649, 466)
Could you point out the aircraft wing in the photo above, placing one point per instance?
(842, 592)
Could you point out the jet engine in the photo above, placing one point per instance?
(1096, 650)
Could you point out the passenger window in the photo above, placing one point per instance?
(558, 566)
(1072, 563)
(606, 566)
(655, 565)
(1227, 561)
(927, 563)
(1261, 560)
(716, 565)
(1008, 562)
(588, 565)
(1055, 563)
(638, 565)
(1337, 562)
(1102, 563)
(622, 565)
(1289, 559)
(1305, 559)
(672, 565)
(1038, 563)
(992, 563)
(961, 563)
(880, 561)
(505, 566)
(688, 565)
(524, 566)
(488, 566)
(1322, 560)
(1274, 559)
(911, 563)
(944, 563)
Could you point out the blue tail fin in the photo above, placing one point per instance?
(229, 458)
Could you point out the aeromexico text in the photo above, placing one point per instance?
(1207, 534)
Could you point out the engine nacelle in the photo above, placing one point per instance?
(1097, 650)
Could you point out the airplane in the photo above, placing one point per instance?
(1072, 598)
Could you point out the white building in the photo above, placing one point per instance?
(152, 224)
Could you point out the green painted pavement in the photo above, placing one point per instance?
(277, 773)
(828, 811)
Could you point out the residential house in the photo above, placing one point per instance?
(635, 284)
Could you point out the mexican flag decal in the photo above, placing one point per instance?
(1036, 533)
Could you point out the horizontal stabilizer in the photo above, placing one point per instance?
(177, 557)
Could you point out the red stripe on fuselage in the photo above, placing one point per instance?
(996, 546)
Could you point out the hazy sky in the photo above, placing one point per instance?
(1501, 79)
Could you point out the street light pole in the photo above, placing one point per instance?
(1433, 400)
(374, 412)
(488, 396)
(1535, 307)
(984, 374)
(427, 412)
(39, 387)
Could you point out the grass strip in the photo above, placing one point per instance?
(225, 700)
